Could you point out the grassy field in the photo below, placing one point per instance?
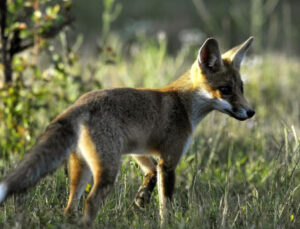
(235, 175)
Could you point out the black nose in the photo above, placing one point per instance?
(250, 113)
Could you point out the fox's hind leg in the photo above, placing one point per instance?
(80, 175)
(103, 183)
(148, 165)
(104, 163)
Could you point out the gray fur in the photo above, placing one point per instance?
(48, 153)
(119, 122)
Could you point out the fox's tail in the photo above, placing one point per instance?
(47, 155)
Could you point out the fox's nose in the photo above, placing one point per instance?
(250, 113)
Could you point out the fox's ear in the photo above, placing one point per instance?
(209, 58)
(237, 54)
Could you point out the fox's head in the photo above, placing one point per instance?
(219, 81)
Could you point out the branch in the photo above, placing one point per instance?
(18, 45)
(23, 47)
(55, 29)
(202, 11)
(204, 14)
(270, 6)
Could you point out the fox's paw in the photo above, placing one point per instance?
(71, 212)
(85, 222)
(142, 198)
(72, 216)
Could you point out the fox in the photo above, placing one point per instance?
(154, 126)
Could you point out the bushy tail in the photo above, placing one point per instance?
(47, 155)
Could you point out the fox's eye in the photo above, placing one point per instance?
(225, 90)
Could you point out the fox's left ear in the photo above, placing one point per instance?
(237, 54)
(209, 57)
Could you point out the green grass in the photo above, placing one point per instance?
(235, 175)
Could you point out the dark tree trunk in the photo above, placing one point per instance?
(8, 72)
(5, 55)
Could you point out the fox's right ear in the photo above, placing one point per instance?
(209, 57)
(237, 54)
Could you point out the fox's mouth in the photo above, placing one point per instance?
(232, 114)
(240, 113)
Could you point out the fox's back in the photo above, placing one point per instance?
(137, 119)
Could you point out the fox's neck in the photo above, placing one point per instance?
(190, 88)
(190, 81)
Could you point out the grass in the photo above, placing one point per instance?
(235, 175)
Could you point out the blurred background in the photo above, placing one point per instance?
(248, 173)
(273, 23)
(115, 28)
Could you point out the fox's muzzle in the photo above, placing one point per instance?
(240, 114)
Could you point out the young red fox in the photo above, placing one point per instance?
(103, 125)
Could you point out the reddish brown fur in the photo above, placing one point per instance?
(75, 167)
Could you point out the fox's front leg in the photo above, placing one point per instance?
(148, 165)
(166, 184)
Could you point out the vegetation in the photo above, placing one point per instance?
(27, 23)
(235, 175)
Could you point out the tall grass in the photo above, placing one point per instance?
(235, 175)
